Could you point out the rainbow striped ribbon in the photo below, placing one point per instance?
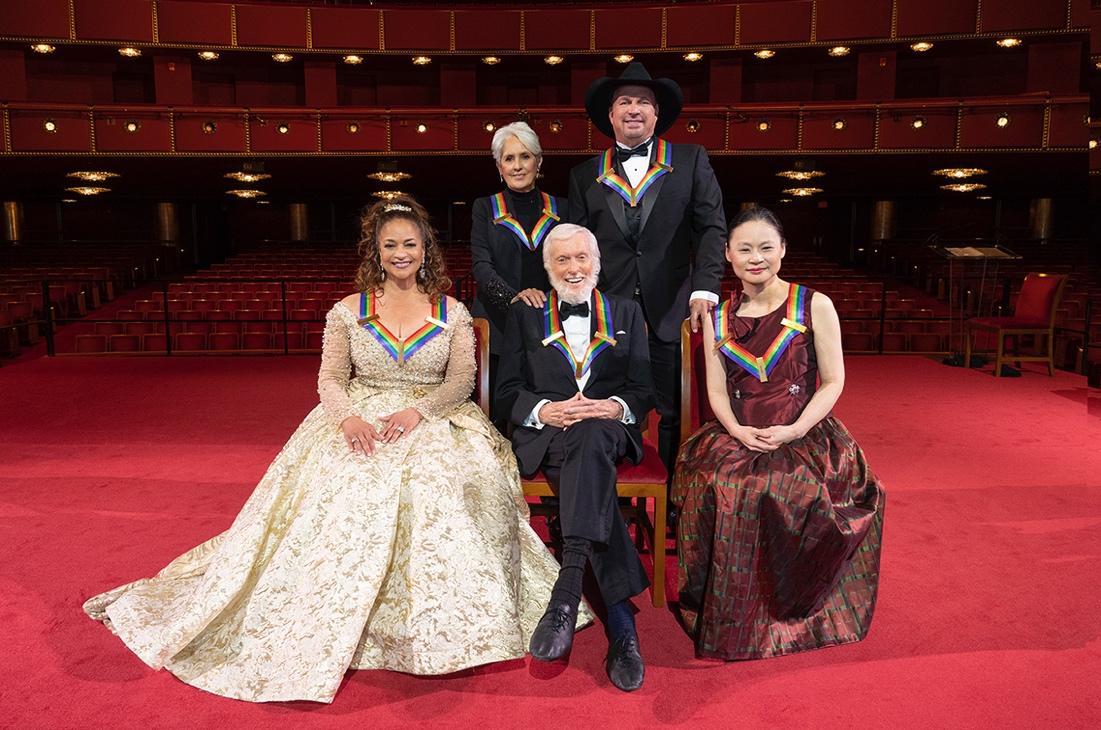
(761, 366)
(401, 350)
(602, 338)
(502, 217)
(663, 163)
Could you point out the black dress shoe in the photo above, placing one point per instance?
(553, 635)
(624, 663)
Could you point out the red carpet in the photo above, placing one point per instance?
(988, 604)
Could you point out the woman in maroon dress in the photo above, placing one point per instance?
(781, 518)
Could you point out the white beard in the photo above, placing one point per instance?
(573, 293)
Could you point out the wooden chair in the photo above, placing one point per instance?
(644, 481)
(1034, 316)
(695, 408)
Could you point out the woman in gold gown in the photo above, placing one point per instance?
(389, 533)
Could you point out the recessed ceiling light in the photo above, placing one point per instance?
(553, 60)
(42, 48)
(352, 127)
(693, 56)
(838, 51)
(129, 52)
(921, 46)
(764, 53)
(353, 60)
(555, 126)
(208, 55)
(489, 126)
(421, 60)
(282, 57)
(210, 127)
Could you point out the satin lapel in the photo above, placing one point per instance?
(648, 202)
(597, 365)
(615, 205)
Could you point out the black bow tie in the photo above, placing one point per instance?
(643, 150)
(565, 310)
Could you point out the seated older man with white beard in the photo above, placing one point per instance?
(575, 381)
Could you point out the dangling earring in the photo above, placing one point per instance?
(421, 275)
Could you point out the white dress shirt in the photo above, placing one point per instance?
(576, 329)
(635, 168)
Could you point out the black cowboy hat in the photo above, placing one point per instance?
(601, 93)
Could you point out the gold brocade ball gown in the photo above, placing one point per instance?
(779, 551)
(417, 559)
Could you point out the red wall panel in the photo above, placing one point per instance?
(896, 130)
(572, 134)
(472, 133)
(1017, 15)
(711, 132)
(129, 20)
(73, 131)
(13, 75)
(264, 134)
(1025, 129)
(268, 25)
(858, 133)
(417, 29)
(1054, 67)
(561, 30)
(936, 17)
(370, 135)
(194, 22)
(839, 19)
(487, 29)
(700, 25)
(405, 137)
(777, 22)
(40, 19)
(1068, 126)
(228, 136)
(1079, 13)
(628, 29)
(153, 133)
(351, 28)
(782, 134)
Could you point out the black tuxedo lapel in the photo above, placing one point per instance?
(615, 205)
(648, 202)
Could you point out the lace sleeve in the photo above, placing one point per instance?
(458, 379)
(336, 369)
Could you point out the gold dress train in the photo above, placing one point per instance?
(418, 559)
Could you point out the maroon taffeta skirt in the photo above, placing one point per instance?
(778, 552)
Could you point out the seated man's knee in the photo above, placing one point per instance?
(594, 433)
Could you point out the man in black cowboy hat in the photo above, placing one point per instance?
(657, 212)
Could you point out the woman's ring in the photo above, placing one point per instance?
(401, 429)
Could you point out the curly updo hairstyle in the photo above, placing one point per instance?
(756, 213)
(431, 278)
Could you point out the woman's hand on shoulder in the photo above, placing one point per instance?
(530, 297)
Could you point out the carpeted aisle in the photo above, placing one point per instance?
(988, 604)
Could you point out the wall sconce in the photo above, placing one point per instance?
(623, 58)
(921, 46)
(49, 126)
(838, 51)
(1002, 121)
(693, 56)
(764, 125)
(764, 54)
(553, 60)
(693, 126)
(210, 127)
(421, 60)
(207, 56)
(43, 48)
(282, 57)
(129, 52)
(422, 128)
(132, 126)
(838, 124)
(917, 122)
(555, 126)
(491, 60)
(283, 128)
(353, 60)
(352, 127)
(489, 126)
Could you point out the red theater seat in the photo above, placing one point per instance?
(91, 343)
(256, 341)
(190, 341)
(223, 341)
(153, 343)
(125, 343)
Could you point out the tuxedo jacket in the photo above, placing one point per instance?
(531, 371)
(680, 247)
(496, 254)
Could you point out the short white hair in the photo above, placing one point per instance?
(522, 132)
(568, 230)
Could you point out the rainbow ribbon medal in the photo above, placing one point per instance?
(602, 338)
(662, 164)
(761, 366)
(502, 217)
(401, 350)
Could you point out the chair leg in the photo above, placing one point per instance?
(658, 553)
(1000, 355)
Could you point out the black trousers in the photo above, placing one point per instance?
(581, 465)
(665, 372)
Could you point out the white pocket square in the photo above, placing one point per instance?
(621, 332)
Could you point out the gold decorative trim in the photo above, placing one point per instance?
(455, 131)
(978, 16)
(726, 131)
(799, 131)
(875, 129)
(248, 133)
(1047, 126)
(72, 20)
(592, 30)
(92, 128)
(233, 26)
(156, 24)
(894, 19)
(523, 31)
(7, 131)
(814, 21)
(1067, 26)
(451, 30)
(172, 130)
(959, 125)
(389, 133)
(309, 28)
(320, 146)
(664, 27)
(381, 32)
(737, 25)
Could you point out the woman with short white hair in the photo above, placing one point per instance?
(507, 234)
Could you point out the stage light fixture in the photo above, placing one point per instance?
(489, 126)
(1002, 121)
(802, 192)
(352, 127)
(693, 56)
(91, 175)
(623, 58)
(210, 127)
(247, 177)
(764, 53)
(43, 48)
(353, 60)
(283, 128)
(555, 126)
(247, 194)
(917, 122)
(208, 55)
(838, 124)
(692, 125)
(129, 52)
(553, 60)
(133, 126)
(49, 126)
(282, 57)
(421, 60)
(838, 51)
(921, 46)
(963, 187)
(1009, 42)
(764, 125)
(800, 175)
(422, 128)
(87, 190)
(1093, 144)
(491, 60)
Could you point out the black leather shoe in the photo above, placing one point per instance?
(624, 663)
(553, 635)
